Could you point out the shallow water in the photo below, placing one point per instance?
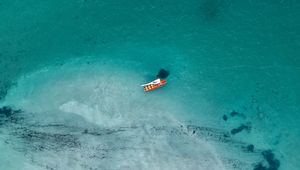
(71, 70)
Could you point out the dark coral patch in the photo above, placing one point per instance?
(273, 164)
(7, 114)
(270, 158)
(225, 117)
(8, 111)
(163, 74)
(250, 148)
(234, 113)
(240, 129)
(259, 167)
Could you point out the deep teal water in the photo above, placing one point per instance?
(73, 70)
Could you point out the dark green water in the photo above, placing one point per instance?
(74, 68)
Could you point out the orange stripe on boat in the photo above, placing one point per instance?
(155, 86)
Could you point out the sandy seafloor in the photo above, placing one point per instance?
(71, 70)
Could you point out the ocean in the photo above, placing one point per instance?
(70, 94)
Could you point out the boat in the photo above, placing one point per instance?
(158, 83)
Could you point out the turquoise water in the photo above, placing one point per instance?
(71, 70)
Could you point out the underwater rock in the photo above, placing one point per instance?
(162, 74)
(273, 163)
(239, 129)
(234, 113)
(8, 115)
(7, 111)
(225, 117)
(250, 148)
(269, 157)
(259, 167)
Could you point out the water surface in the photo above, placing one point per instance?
(71, 70)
